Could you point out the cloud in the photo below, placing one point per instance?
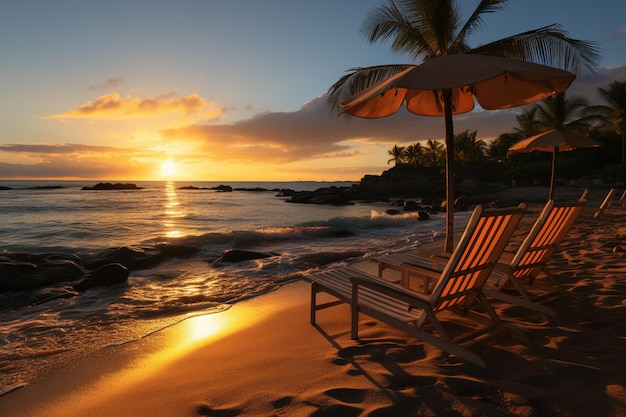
(313, 133)
(309, 139)
(114, 106)
(110, 83)
(72, 161)
(56, 149)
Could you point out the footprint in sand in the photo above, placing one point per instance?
(205, 410)
(347, 395)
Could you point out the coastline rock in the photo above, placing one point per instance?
(116, 186)
(20, 271)
(105, 276)
(224, 188)
(135, 258)
(237, 255)
(16, 299)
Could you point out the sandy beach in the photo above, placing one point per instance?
(262, 357)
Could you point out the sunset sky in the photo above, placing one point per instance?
(222, 90)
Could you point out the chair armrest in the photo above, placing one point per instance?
(412, 298)
(440, 261)
(418, 278)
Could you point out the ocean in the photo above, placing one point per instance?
(59, 216)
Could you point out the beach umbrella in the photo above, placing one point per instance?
(554, 141)
(448, 85)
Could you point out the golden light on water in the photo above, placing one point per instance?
(172, 212)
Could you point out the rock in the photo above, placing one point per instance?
(411, 206)
(176, 251)
(26, 272)
(16, 299)
(131, 257)
(117, 186)
(392, 212)
(237, 255)
(423, 215)
(224, 188)
(106, 276)
(143, 257)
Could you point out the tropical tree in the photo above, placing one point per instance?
(527, 122)
(468, 148)
(568, 113)
(425, 29)
(397, 155)
(615, 96)
(413, 153)
(499, 147)
(434, 153)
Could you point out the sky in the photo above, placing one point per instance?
(229, 90)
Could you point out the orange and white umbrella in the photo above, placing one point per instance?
(555, 140)
(450, 84)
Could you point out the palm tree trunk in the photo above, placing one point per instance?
(447, 112)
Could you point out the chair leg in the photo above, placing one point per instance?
(354, 310)
(313, 301)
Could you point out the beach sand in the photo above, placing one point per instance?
(262, 357)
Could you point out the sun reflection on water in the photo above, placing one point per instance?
(172, 212)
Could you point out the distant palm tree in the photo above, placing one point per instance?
(434, 153)
(527, 122)
(615, 96)
(397, 155)
(568, 113)
(426, 29)
(468, 148)
(413, 153)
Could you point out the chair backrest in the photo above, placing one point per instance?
(546, 235)
(606, 202)
(481, 245)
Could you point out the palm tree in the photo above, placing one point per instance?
(434, 153)
(425, 29)
(568, 113)
(468, 148)
(527, 122)
(397, 155)
(615, 96)
(412, 153)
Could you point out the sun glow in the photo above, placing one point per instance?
(168, 168)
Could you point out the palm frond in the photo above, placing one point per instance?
(397, 23)
(549, 45)
(474, 22)
(358, 79)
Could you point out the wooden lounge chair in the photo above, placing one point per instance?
(605, 203)
(515, 276)
(414, 305)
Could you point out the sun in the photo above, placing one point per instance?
(168, 168)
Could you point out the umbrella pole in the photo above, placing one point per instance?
(552, 179)
(449, 127)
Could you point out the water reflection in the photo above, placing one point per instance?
(173, 211)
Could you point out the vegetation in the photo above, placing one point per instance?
(489, 161)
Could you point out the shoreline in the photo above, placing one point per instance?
(262, 357)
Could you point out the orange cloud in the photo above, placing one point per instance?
(114, 106)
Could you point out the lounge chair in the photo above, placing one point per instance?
(605, 203)
(515, 277)
(413, 305)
